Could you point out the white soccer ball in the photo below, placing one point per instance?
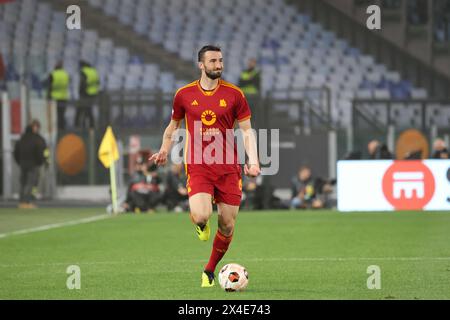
(233, 277)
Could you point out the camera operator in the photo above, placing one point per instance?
(325, 192)
(305, 190)
(176, 193)
(143, 193)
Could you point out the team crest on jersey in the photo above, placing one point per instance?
(222, 103)
(208, 117)
(194, 103)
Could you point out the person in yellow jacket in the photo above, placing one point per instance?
(89, 90)
(250, 79)
(58, 90)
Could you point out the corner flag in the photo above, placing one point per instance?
(108, 153)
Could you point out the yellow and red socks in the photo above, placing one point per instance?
(220, 246)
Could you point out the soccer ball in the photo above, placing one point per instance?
(233, 277)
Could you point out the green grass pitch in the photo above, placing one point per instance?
(288, 254)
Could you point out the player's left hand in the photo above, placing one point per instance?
(252, 171)
(159, 158)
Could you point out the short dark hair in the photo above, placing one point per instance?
(35, 122)
(202, 51)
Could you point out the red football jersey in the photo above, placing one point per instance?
(208, 116)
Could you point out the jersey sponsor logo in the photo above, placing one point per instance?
(408, 185)
(222, 103)
(194, 103)
(210, 131)
(208, 118)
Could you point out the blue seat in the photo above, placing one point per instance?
(354, 52)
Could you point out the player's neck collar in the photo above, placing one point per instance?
(208, 92)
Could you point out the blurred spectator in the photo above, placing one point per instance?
(89, 90)
(325, 192)
(249, 187)
(378, 150)
(155, 181)
(441, 28)
(440, 150)
(58, 90)
(250, 79)
(417, 12)
(304, 192)
(176, 193)
(258, 194)
(30, 152)
(143, 193)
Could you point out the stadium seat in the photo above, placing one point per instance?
(419, 93)
(291, 44)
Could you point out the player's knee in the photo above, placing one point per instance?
(227, 228)
(200, 217)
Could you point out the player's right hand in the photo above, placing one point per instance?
(252, 170)
(160, 158)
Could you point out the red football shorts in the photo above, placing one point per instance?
(226, 188)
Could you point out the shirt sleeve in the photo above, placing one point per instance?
(242, 110)
(178, 108)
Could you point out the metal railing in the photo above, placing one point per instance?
(384, 119)
(150, 111)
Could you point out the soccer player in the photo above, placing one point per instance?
(212, 106)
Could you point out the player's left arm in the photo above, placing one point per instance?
(252, 168)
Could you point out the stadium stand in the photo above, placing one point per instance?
(32, 33)
(299, 58)
(293, 51)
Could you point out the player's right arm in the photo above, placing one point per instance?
(160, 158)
(178, 113)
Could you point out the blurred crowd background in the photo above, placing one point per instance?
(334, 88)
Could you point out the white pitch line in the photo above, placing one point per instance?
(331, 259)
(305, 259)
(54, 225)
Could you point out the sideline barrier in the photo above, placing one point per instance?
(386, 185)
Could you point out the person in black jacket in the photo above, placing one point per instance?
(176, 193)
(440, 150)
(250, 79)
(30, 153)
(143, 193)
(305, 190)
(89, 90)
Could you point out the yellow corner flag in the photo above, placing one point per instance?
(108, 153)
